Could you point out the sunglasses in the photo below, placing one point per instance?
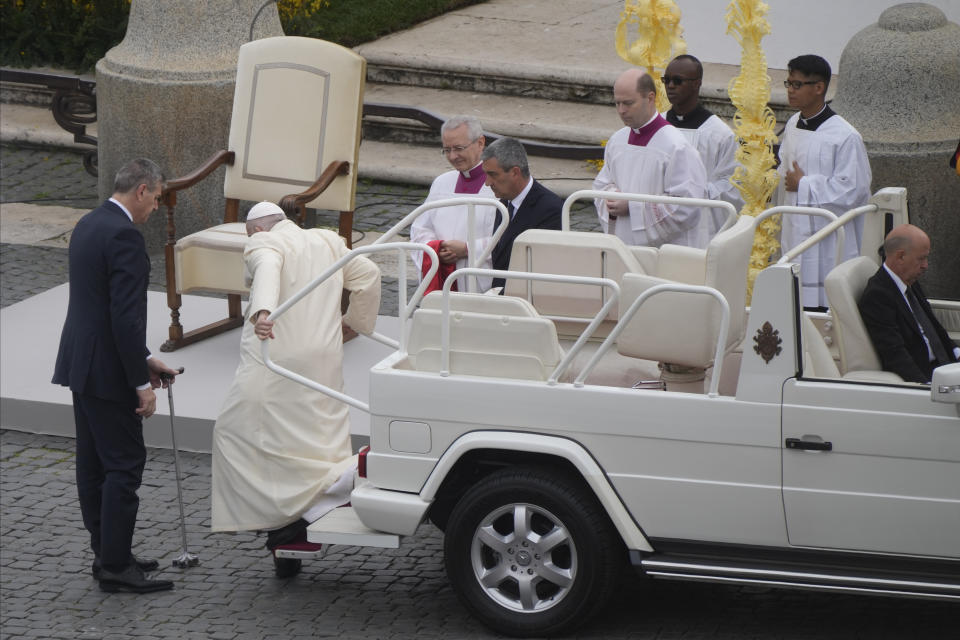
(677, 80)
(796, 84)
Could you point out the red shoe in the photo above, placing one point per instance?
(300, 546)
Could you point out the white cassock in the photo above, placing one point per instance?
(837, 178)
(667, 164)
(277, 445)
(717, 146)
(450, 223)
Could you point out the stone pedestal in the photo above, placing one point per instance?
(898, 85)
(166, 93)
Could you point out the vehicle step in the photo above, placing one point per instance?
(678, 567)
(343, 526)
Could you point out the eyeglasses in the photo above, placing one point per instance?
(677, 80)
(445, 151)
(796, 84)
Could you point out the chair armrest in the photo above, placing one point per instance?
(170, 189)
(294, 202)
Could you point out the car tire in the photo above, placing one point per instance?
(531, 553)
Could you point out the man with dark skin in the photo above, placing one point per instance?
(710, 135)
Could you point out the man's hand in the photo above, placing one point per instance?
(148, 402)
(617, 208)
(451, 251)
(263, 327)
(155, 368)
(792, 180)
(348, 333)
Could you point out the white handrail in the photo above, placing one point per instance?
(471, 202)
(541, 277)
(835, 225)
(807, 211)
(644, 197)
(403, 312)
(652, 291)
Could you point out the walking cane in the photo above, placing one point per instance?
(186, 558)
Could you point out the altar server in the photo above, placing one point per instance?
(823, 163)
(710, 135)
(649, 155)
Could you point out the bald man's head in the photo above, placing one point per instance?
(907, 249)
(635, 97)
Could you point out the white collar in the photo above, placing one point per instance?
(122, 208)
(523, 194)
(897, 281)
(637, 129)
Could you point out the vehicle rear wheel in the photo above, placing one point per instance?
(530, 553)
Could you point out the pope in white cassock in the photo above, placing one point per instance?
(824, 164)
(280, 450)
(710, 135)
(649, 156)
(463, 143)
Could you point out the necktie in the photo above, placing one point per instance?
(926, 325)
(499, 217)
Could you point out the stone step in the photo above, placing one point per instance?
(540, 119)
(555, 85)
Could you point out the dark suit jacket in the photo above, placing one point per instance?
(894, 331)
(541, 209)
(103, 345)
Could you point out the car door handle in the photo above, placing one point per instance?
(808, 445)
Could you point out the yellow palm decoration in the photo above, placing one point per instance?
(659, 39)
(754, 124)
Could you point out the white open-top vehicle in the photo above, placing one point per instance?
(623, 405)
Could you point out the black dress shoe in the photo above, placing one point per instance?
(131, 580)
(286, 534)
(145, 565)
(286, 567)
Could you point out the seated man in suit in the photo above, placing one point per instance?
(531, 205)
(908, 339)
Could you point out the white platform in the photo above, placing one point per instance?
(30, 335)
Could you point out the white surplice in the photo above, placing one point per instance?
(837, 178)
(667, 165)
(450, 223)
(277, 445)
(717, 146)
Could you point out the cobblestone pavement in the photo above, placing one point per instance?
(352, 593)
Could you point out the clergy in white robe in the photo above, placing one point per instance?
(824, 164)
(717, 146)
(649, 156)
(277, 445)
(451, 223)
(709, 135)
(463, 143)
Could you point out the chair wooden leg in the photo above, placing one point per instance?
(346, 227)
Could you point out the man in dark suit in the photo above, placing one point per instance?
(104, 360)
(908, 339)
(531, 205)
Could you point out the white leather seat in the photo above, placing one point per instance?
(574, 253)
(683, 328)
(494, 336)
(844, 285)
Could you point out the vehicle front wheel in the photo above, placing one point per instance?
(529, 552)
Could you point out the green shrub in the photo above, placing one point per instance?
(74, 34)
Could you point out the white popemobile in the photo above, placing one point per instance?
(679, 431)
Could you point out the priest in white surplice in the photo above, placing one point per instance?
(463, 143)
(649, 156)
(711, 136)
(279, 447)
(823, 163)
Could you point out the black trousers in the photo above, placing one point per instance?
(110, 461)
